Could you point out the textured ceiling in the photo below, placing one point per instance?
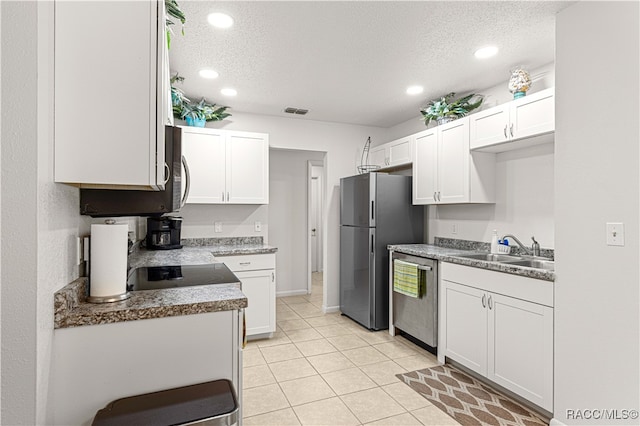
(351, 62)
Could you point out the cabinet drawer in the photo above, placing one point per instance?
(249, 262)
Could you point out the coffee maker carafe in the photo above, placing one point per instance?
(163, 233)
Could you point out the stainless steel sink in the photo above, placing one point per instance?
(490, 257)
(548, 265)
(507, 259)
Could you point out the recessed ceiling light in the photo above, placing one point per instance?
(220, 20)
(208, 74)
(486, 52)
(414, 90)
(229, 92)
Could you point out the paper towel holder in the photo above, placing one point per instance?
(111, 298)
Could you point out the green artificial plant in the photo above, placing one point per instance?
(445, 106)
(203, 110)
(173, 11)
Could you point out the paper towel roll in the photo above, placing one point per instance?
(108, 273)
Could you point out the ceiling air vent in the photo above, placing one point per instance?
(299, 111)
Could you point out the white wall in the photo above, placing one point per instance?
(523, 207)
(342, 143)
(237, 220)
(597, 324)
(288, 217)
(39, 218)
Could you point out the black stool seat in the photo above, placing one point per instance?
(211, 403)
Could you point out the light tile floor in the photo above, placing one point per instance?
(325, 369)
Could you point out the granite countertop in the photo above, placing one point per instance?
(449, 254)
(72, 310)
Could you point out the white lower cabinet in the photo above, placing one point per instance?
(257, 273)
(95, 364)
(501, 336)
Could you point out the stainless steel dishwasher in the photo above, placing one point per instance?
(417, 317)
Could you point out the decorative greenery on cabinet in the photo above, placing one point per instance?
(446, 109)
(195, 114)
(173, 11)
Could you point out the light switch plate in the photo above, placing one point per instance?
(615, 234)
(257, 226)
(217, 226)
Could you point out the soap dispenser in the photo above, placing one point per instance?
(494, 242)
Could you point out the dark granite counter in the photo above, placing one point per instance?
(72, 310)
(449, 254)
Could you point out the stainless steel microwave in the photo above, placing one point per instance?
(119, 202)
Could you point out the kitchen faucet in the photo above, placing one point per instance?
(535, 248)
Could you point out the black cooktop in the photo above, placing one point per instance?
(160, 277)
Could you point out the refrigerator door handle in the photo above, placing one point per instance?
(372, 209)
(372, 246)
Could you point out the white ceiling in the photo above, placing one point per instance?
(351, 62)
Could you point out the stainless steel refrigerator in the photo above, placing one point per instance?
(375, 211)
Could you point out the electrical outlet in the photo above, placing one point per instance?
(217, 226)
(257, 226)
(79, 251)
(454, 228)
(615, 234)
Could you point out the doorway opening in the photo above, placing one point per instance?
(315, 228)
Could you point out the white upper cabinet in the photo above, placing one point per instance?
(226, 167)
(446, 172)
(526, 121)
(392, 154)
(247, 168)
(111, 94)
(378, 156)
(205, 153)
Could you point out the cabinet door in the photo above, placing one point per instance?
(247, 168)
(521, 348)
(489, 127)
(260, 289)
(400, 152)
(533, 115)
(378, 156)
(465, 325)
(204, 150)
(453, 162)
(425, 167)
(119, 140)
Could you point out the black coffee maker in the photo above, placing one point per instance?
(163, 233)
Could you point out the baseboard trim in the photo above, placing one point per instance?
(330, 309)
(291, 293)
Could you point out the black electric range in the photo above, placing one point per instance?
(161, 277)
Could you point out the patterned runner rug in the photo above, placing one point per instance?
(467, 400)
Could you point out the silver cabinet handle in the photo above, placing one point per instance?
(490, 303)
(273, 277)
(484, 300)
(223, 197)
(434, 196)
(511, 129)
(187, 180)
(439, 199)
(167, 173)
(245, 263)
(505, 131)
(228, 197)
